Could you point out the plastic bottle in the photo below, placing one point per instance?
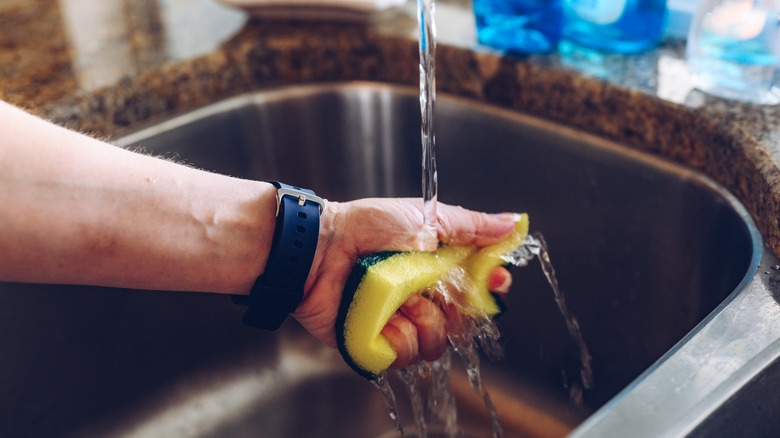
(733, 49)
(622, 26)
(521, 26)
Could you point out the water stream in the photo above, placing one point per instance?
(441, 402)
(465, 345)
(412, 379)
(427, 46)
(388, 396)
(535, 246)
(466, 336)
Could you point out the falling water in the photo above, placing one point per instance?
(535, 245)
(441, 401)
(465, 339)
(388, 397)
(411, 376)
(427, 46)
(441, 417)
(465, 345)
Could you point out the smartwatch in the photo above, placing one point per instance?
(279, 290)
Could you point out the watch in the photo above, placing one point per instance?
(279, 290)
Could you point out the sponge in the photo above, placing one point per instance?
(380, 283)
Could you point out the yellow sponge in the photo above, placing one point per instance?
(380, 283)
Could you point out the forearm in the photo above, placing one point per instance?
(78, 211)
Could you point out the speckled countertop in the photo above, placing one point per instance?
(104, 67)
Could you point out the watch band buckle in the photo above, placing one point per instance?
(300, 195)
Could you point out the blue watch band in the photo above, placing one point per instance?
(279, 290)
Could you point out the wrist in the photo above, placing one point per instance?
(279, 290)
(332, 214)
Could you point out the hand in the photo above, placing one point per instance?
(353, 229)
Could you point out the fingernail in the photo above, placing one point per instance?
(507, 217)
(504, 286)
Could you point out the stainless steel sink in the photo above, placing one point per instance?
(663, 268)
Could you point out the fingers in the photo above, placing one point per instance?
(416, 331)
(460, 226)
(500, 280)
(381, 224)
(402, 335)
(419, 329)
(430, 322)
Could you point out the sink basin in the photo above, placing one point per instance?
(659, 264)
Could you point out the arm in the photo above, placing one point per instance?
(79, 211)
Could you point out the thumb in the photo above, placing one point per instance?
(459, 226)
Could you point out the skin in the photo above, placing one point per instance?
(361, 227)
(77, 210)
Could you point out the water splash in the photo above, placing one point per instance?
(536, 246)
(487, 334)
(388, 396)
(465, 346)
(468, 336)
(441, 416)
(441, 403)
(412, 378)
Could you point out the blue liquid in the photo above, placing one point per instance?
(620, 26)
(752, 51)
(743, 69)
(521, 26)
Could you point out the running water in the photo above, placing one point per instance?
(427, 45)
(441, 417)
(465, 345)
(388, 396)
(441, 401)
(469, 335)
(535, 245)
(412, 378)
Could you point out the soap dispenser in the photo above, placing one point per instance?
(519, 26)
(620, 26)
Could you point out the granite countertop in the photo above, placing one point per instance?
(106, 67)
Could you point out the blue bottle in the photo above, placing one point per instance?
(519, 26)
(620, 26)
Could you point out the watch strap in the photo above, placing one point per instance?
(279, 290)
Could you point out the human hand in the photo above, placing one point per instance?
(353, 229)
